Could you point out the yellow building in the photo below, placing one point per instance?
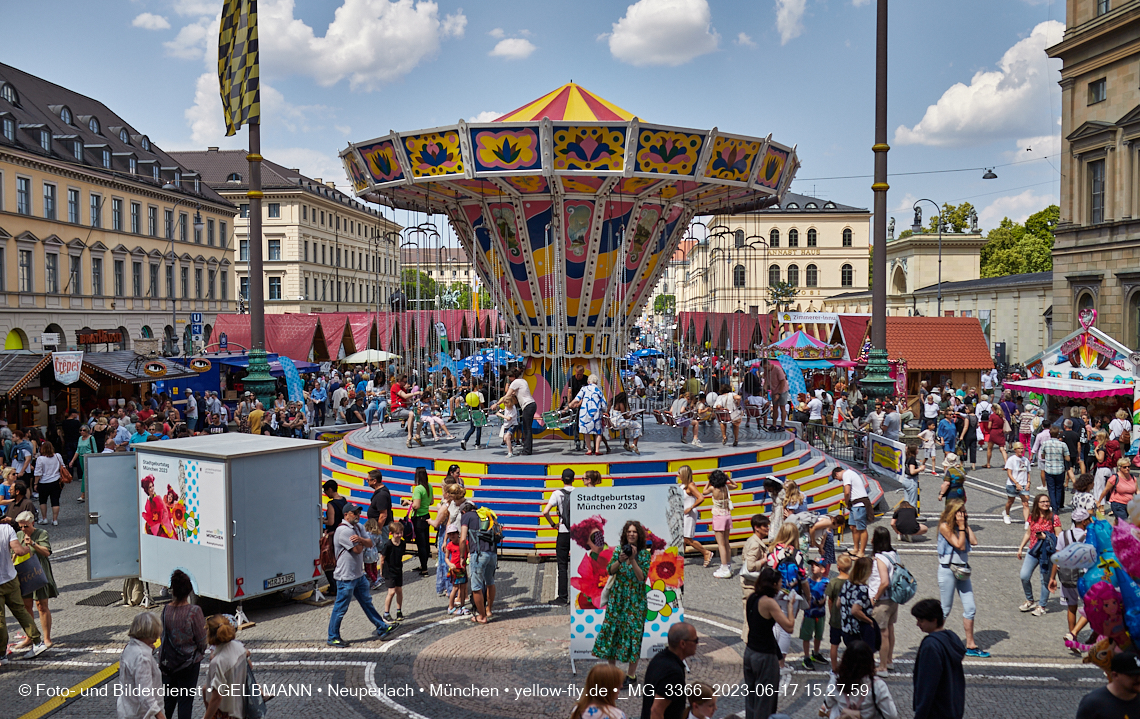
(815, 245)
(1096, 254)
(101, 232)
(322, 250)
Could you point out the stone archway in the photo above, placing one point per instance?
(898, 281)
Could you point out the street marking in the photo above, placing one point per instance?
(73, 693)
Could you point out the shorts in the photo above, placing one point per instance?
(1070, 597)
(812, 627)
(925, 453)
(1013, 492)
(689, 524)
(481, 570)
(859, 517)
(50, 492)
(721, 522)
(782, 399)
(885, 612)
(393, 577)
(836, 637)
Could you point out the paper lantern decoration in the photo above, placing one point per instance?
(1101, 655)
(1078, 555)
(1127, 547)
(1104, 608)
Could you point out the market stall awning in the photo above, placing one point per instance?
(291, 334)
(361, 325)
(128, 367)
(1062, 387)
(18, 368)
(937, 343)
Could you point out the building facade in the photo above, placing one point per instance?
(104, 238)
(322, 250)
(1096, 254)
(447, 267)
(816, 245)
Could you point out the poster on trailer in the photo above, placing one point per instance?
(183, 499)
(598, 516)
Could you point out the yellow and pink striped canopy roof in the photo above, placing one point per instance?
(570, 102)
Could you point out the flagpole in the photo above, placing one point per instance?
(257, 379)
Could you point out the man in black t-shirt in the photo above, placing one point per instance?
(355, 414)
(663, 696)
(1121, 697)
(380, 509)
(1071, 436)
(577, 382)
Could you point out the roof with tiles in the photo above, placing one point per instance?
(938, 343)
(34, 104)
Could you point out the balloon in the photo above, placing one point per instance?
(1104, 608)
(710, 398)
(1106, 570)
(1077, 555)
(472, 399)
(1101, 655)
(1127, 547)
(1134, 511)
(1100, 535)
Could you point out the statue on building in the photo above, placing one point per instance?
(891, 229)
(973, 221)
(917, 226)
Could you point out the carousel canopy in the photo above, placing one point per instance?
(570, 207)
(1085, 363)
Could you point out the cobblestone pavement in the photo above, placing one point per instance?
(1031, 674)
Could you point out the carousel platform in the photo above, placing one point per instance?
(517, 488)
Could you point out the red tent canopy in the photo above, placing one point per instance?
(332, 325)
(361, 324)
(290, 335)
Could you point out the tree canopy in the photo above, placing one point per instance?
(1013, 248)
(664, 304)
(957, 217)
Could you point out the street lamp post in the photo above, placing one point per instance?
(917, 227)
(198, 225)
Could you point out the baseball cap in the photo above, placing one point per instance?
(1080, 515)
(1126, 663)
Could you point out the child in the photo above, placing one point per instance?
(457, 574)
(394, 570)
(510, 416)
(927, 437)
(814, 615)
(843, 564)
(372, 554)
(702, 700)
(433, 421)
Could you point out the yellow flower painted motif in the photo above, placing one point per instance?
(381, 161)
(670, 153)
(434, 154)
(589, 148)
(732, 159)
(771, 168)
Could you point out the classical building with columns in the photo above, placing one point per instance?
(1096, 254)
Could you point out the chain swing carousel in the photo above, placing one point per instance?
(570, 208)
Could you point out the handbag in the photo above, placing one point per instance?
(409, 529)
(253, 705)
(31, 575)
(961, 572)
(605, 599)
(64, 473)
(170, 657)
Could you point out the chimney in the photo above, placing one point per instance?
(318, 180)
(331, 184)
(211, 149)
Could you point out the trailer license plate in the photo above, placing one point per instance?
(280, 580)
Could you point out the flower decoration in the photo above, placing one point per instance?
(655, 543)
(191, 524)
(659, 599)
(592, 578)
(178, 515)
(667, 567)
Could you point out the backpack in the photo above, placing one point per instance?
(564, 507)
(490, 529)
(328, 551)
(1069, 577)
(903, 585)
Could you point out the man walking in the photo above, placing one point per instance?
(1121, 697)
(481, 562)
(349, 543)
(1017, 483)
(10, 593)
(560, 500)
(856, 497)
(1053, 459)
(939, 682)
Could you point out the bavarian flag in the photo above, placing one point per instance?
(237, 64)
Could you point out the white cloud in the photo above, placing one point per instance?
(150, 21)
(1015, 207)
(789, 19)
(207, 126)
(744, 39)
(486, 116)
(663, 32)
(313, 163)
(860, 3)
(1030, 148)
(513, 48)
(906, 204)
(497, 33)
(997, 104)
(370, 42)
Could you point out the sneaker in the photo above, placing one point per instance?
(1027, 606)
(698, 443)
(883, 673)
(54, 523)
(1070, 637)
(510, 454)
(463, 445)
(817, 657)
(451, 610)
(36, 650)
(723, 572)
(79, 499)
(388, 618)
(807, 665)
(1005, 518)
(465, 611)
(1039, 612)
(380, 582)
(399, 616)
(980, 653)
(42, 521)
(383, 632)
(338, 643)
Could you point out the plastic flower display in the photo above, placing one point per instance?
(659, 599)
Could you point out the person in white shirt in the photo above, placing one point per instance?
(559, 503)
(815, 418)
(520, 390)
(1017, 482)
(10, 592)
(987, 381)
(1119, 425)
(730, 401)
(983, 406)
(139, 677)
(228, 667)
(858, 501)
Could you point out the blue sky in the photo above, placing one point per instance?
(969, 86)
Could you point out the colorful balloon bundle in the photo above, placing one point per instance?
(1110, 557)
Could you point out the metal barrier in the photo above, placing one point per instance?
(844, 443)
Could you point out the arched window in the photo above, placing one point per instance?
(739, 237)
(146, 332)
(738, 276)
(811, 276)
(847, 237)
(145, 144)
(793, 238)
(9, 93)
(124, 137)
(234, 177)
(794, 275)
(1133, 334)
(65, 115)
(812, 237)
(774, 275)
(93, 125)
(847, 276)
(774, 238)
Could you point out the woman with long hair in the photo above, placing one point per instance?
(884, 610)
(1106, 452)
(857, 692)
(693, 499)
(761, 650)
(719, 486)
(447, 521)
(1042, 521)
(955, 538)
(619, 637)
(785, 557)
(599, 696)
(47, 469)
(183, 646)
(419, 510)
(1119, 490)
(855, 620)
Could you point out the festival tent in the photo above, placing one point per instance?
(293, 335)
(798, 344)
(1086, 364)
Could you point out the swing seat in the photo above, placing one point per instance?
(478, 418)
(553, 420)
(462, 413)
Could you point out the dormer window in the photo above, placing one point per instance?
(9, 93)
(829, 205)
(197, 185)
(124, 137)
(154, 171)
(77, 149)
(45, 140)
(93, 125)
(177, 179)
(133, 164)
(8, 127)
(145, 144)
(811, 206)
(107, 159)
(65, 115)
(234, 177)
(791, 206)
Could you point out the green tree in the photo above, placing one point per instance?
(957, 217)
(665, 304)
(1012, 248)
(781, 296)
(464, 297)
(426, 287)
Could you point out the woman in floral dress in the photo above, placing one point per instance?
(619, 637)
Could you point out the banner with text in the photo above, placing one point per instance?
(598, 516)
(887, 457)
(67, 366)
